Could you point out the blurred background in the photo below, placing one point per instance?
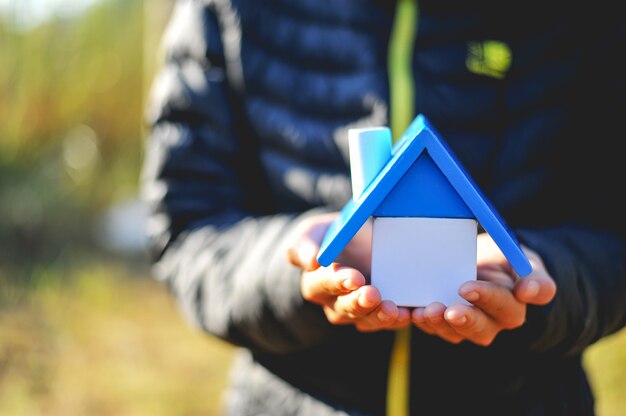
(84, 329)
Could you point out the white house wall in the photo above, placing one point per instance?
(416, 261)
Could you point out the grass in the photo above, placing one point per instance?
(104, 342)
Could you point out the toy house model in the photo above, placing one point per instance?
(425, 208)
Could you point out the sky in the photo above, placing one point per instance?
(26, 14)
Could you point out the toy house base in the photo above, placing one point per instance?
(417, 261)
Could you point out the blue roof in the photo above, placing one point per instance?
(423, 178)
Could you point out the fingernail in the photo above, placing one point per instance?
(472, 296)
(365, 302)
(532, 289)
(349, 284)
(456, 318)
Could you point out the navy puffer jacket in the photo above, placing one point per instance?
(249, 118)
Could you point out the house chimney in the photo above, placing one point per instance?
(370, 150)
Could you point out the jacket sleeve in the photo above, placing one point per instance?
(212, 240)
(589, 268)
(586, 253)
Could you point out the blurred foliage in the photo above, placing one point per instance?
(71, 98)
(86, 331)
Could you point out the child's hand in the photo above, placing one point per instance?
(499, 299)
(341, 290)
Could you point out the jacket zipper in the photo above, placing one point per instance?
(401, 112)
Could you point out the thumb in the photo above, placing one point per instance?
(304, 254)
(536, 290)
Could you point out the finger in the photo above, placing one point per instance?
(335, 317)
(472, 324)
(310, 232)
(496, 275)
(496, 301)
(419, 320)
(304, 254)
(538, 288)
(434, 314)
(383, 317)
(359, 303)
(403, 320)
(535, 289)
(328, 282)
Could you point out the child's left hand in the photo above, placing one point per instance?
(498, 296)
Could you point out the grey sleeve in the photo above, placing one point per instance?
(214, 241)
(589, 268)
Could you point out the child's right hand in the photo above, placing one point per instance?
(341, 290)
